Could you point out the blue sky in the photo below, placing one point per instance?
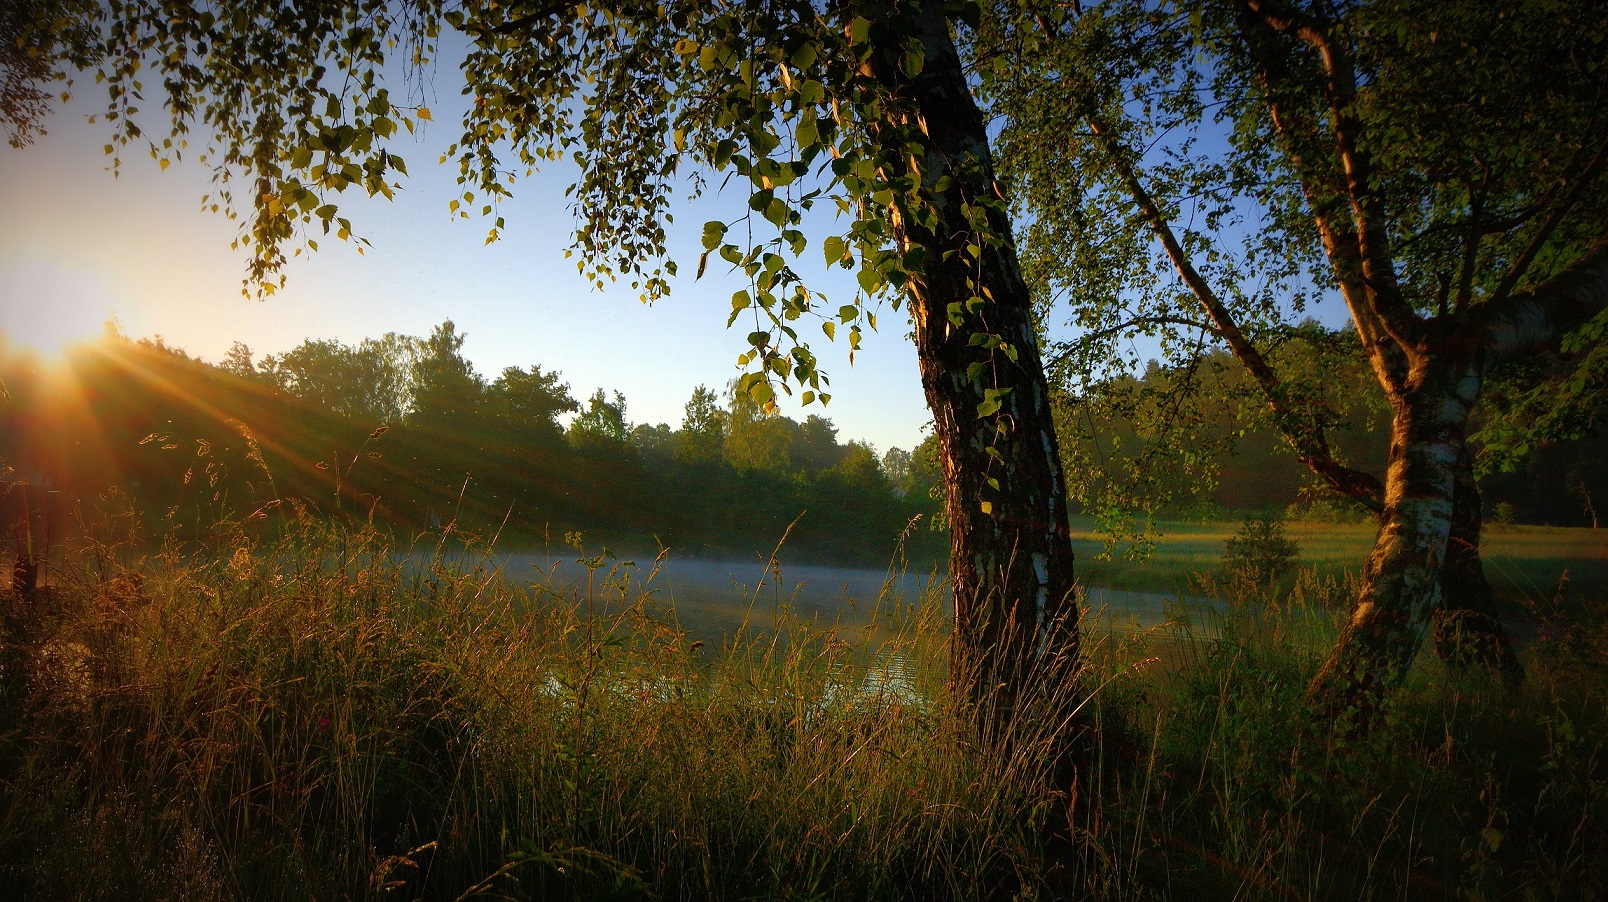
(78, 246)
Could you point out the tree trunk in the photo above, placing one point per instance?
(1016, 619)
(1467, 631)
(1402, 583)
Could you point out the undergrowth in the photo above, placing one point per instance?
(326, 716)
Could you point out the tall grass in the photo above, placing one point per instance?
(325, 716)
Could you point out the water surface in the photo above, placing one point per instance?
(719, 596)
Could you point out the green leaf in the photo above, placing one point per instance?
(806, 133)
(777, 211)
(912, 61)
(859, 30)
(870, 280)
(796, 242)
(834, 249)
(714, 232)
(830, 328)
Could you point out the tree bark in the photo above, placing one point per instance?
(1467, 630)
(1016, 618)
(1402, 582)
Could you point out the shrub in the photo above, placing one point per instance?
(1260, 552)
(1326, 510)
(1503, 513)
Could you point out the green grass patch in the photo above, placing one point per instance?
(1522, 562)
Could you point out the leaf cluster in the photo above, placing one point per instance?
(1484, 123)
(643, 99)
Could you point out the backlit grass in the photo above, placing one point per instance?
(323, 715)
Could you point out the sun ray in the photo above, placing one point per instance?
(125, 357)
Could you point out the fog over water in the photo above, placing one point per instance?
(718, 596)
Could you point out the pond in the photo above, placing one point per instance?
(717, 597)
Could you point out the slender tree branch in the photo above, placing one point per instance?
(1367, 204)
(1543, 234)
(1471, 249)
(1304, 435)
(1340, 242)
(545, 11)
(1119, 328)
(1483, 226)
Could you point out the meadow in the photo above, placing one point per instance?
(1522, 562)
(312, 711)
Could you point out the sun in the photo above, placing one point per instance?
(48, 307)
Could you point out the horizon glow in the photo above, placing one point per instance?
(83, 247)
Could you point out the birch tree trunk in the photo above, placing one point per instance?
(1407, 569)
(1402, 582)
(1467, 631)
(1016, 629)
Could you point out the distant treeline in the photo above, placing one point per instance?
(403, 430)
(1198, 441)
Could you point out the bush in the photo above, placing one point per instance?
(1503, 513)
(1260, 552)
(1326, 510)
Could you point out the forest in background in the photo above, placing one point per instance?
(403, 431)
(1197, 441)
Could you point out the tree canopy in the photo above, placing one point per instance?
(645, 100)
(1484, 124)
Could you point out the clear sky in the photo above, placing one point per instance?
(78, 246)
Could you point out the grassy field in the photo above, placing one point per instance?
(320, 715)
(1521, 561)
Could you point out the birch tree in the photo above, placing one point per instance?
(1201, 172)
